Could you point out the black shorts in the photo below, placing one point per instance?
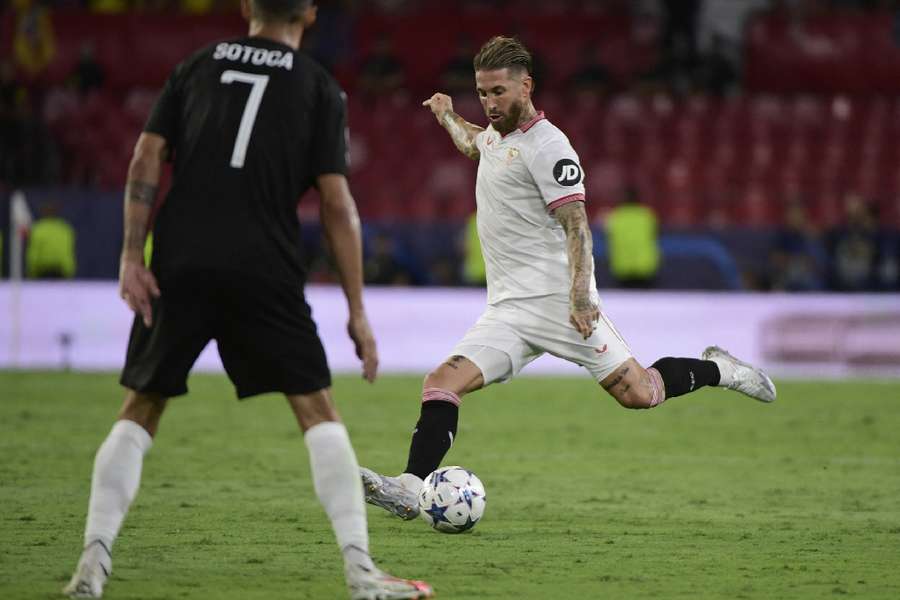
(264, 329)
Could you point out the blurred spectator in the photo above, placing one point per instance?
(854, 249)
(383, 265)
(34, 43)
(714, 73)
(680, 27)
(473, 260)
(799, 257)
(592, 77)
(328, 42)
(673, 72)
(632, 243)
(458, 75)
(88, 74)
(27, 152)
(197, 7)
(12, 95)
(51, 247)
(381, 72)
(109, 6)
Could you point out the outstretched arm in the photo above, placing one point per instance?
(136, 283)
(583, 313)
(461, 131)
(341, 223)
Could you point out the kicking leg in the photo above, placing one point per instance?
(335, 475)
(635, 387)
(432, 437)
(114, 485)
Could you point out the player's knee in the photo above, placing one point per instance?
(635, 399)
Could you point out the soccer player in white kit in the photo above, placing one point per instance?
(542, 296)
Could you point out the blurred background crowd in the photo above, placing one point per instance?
(727, 144)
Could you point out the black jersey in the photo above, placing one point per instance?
(251, 123)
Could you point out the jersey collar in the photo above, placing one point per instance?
(527, 125)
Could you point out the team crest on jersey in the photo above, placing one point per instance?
(511, 155)
(566, 172)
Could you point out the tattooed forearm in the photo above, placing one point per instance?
(135, 234)
(579, 246)
(139, 199)
(140, 192)
(462, 133)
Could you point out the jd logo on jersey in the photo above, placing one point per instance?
(567, 172)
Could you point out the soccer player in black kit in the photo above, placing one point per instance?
(251, 125)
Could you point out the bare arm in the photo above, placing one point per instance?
(580, 246)
(341, 223)
(136, 283)
(461, 131)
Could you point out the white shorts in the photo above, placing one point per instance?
(512, 333)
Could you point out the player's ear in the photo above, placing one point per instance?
(527, 85)
(309, 15)
(246, 13)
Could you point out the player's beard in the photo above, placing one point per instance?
(509, 122)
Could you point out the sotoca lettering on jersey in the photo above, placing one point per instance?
(522, 178)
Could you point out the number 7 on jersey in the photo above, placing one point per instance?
(259, 83)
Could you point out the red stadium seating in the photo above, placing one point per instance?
(821, 120)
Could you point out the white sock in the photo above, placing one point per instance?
(411, 482)
(336, 479)
(114, 484)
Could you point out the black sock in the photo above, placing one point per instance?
(432, 437)
(683, 375)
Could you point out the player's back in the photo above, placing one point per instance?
(251, 123)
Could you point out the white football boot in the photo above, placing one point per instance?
(91, 573)
(390, 494)
(370, 583)
(740, 376)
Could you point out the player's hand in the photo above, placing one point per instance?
(137, 286)
(361, 333)
(584, 316)
(440, 104)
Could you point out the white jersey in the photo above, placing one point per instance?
(522, 178)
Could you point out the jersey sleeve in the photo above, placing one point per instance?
(331, 151)
(479, 139)
(163, 119)
(557, 173)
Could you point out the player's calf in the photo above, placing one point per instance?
(638, 388)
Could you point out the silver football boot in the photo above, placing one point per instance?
(370, 583)
(740, 376)
(390, 494)
(90, 575)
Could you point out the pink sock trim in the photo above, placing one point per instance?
(659, 388)
(432, 394)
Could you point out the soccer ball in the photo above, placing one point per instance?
(452, 500)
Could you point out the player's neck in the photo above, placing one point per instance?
(528, 113)
(283, 33)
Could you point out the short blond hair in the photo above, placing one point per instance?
(502, 52)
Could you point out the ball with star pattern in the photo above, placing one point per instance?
(452, 500)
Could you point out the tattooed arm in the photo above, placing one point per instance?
(580, 245)
(461, 131)
(136, 283)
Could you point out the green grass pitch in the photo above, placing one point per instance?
(709, 496)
